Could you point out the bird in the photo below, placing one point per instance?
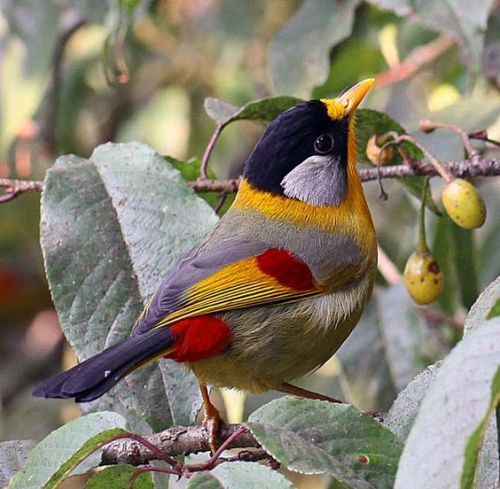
(275, 288)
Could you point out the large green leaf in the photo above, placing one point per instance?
(299, 57)
(111, 229)
(13, 456)
(62, 450)
(444, 443)
(453, 17)
(315, 437)
(241, 475)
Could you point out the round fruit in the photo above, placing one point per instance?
(374, 154)
(423, 278)
(464, 204)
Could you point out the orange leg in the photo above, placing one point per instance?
(211, 419)
(298, 391)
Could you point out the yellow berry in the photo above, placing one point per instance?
(374, 154)
(423, 278)
(464, 204)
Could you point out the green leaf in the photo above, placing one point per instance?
(117, 477)
(404, 410)
(266, 109)
(370, 122)
(111, 229)
(315, 437)
(241, 475)
(299, 57)
(13, 456)
(483, 306)
(443, 447)
(62, 450)
(453, 17)
(190, 171)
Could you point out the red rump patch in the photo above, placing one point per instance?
(198, 338)
(287, 269)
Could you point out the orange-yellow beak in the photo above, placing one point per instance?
(353, 97)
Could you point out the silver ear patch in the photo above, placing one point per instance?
(318, 180)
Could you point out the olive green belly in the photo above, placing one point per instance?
(276, 344)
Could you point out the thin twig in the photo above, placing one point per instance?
(417, 58)
(242, 456)
(14, 188)
(482, 135)
(208, 152)
(8, 196)
(149, 468)
(189, 469)
(429, 126)
(220, 202)
(438, 166)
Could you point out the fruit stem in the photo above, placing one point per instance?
(422, 241)
(445, 174)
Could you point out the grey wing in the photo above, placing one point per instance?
(192, 268)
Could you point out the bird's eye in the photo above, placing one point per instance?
(323, 144)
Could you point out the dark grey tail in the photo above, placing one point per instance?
(93, 377)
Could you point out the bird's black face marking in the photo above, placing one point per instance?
(301, 132)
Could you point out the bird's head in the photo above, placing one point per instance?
(308, 153)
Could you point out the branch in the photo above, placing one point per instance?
(14, 188)
(418, 58)
(476, 167)
(177, 440)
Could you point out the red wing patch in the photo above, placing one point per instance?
(198, 338)
(287, 269)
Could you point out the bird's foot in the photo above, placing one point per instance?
(212, 421)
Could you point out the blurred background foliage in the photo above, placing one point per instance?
(75, 74)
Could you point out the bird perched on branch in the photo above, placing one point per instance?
(277, 286)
